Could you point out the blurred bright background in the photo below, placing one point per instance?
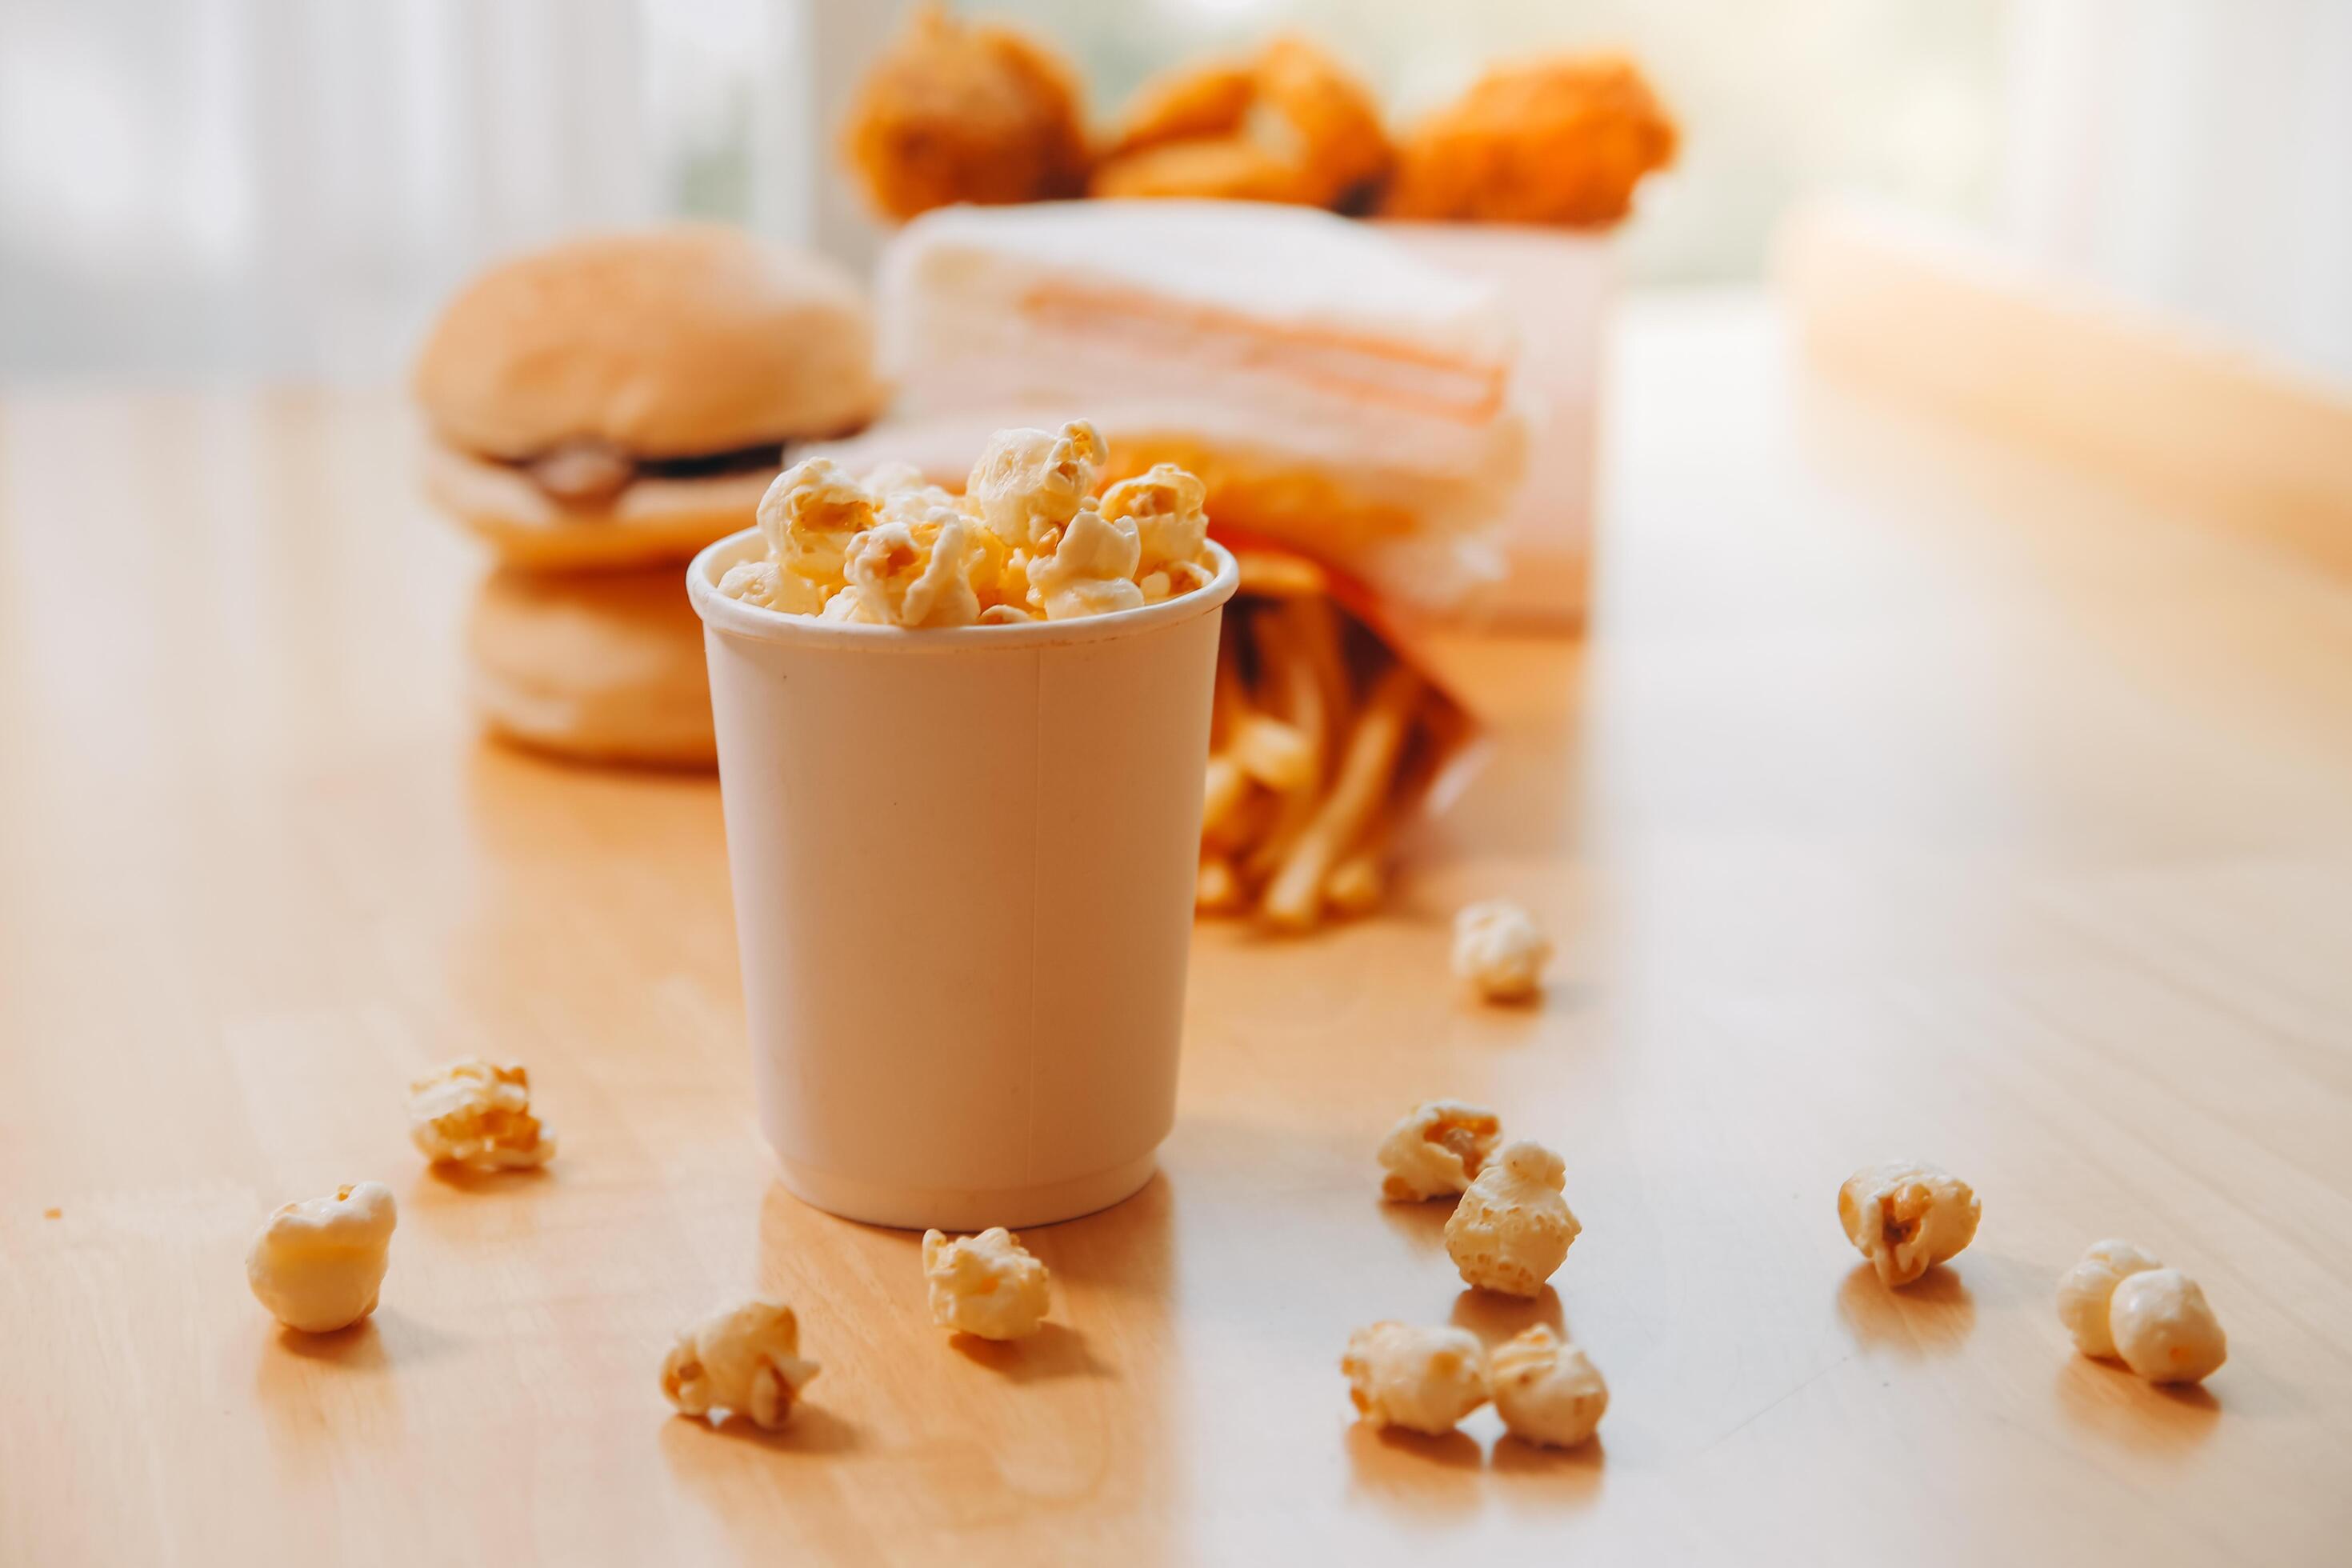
(284, 189)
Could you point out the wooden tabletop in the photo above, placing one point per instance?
(1910, 798)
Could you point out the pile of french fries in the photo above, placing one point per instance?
(1321, 744)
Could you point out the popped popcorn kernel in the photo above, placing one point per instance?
(1028, 485)
(1091, 571)
(1547, 1391)
(770, 587)
(1498, 949)
(1512, 1228)
(1025, 543)
(914, 573)
(479, 1114)
(1437, 1149)
(745, 1361)
(1421, 1379)
(1278, 755)
(809, 515)
(1166, 505)
(1905, 1217)
(2086, 1291)
(987, 1285)
(318, 1265)
(2164, 1329)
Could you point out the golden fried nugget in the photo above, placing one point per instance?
(1191, 104)
(957, 112)
(1292, 125)
(1345, 148)
(1561, 140)
(1224, 169)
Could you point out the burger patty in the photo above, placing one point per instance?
(588, 474)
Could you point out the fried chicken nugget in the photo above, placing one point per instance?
(1224, 168)
(957, 112)
(1191, 104)
(1291, 125)
(1559, 141)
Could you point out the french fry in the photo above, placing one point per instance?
(1218, 891)
(1288, 687)
(1360, 878)
(1232, 698)
(1276, 574)
(1310, 628)
(1293, 897)
(1224, 789)
(1355, 885)
(1276, 754)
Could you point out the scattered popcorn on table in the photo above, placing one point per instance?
(1437, 1149)
(1423, 1380)
(1512, 1228)
(477, 1113)
(317, 1265)
(1028, 541)
(2085, 1290)
(745, 1361)
(1498, 949)
(2163, 1328)
(1905, 1217)
(1545, 1391)
(987, 1285)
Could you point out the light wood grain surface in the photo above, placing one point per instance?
(1908, 799)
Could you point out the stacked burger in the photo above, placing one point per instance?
(599, 411)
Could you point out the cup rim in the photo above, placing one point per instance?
(733, 617)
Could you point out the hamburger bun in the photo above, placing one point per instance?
(604, 667)
(674, 342)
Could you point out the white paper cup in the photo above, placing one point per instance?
(963, 864)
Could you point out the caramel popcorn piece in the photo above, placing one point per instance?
(1437, 1149)
(1512, 1228)
(1498, 950)
(987, 1285)
(1905, 1217)
(318, 1266)
(477, 1113)
(2164, 1329)
(2086, 1291)
(1547, 1391)
(1421, 1379)
(745, 1361)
